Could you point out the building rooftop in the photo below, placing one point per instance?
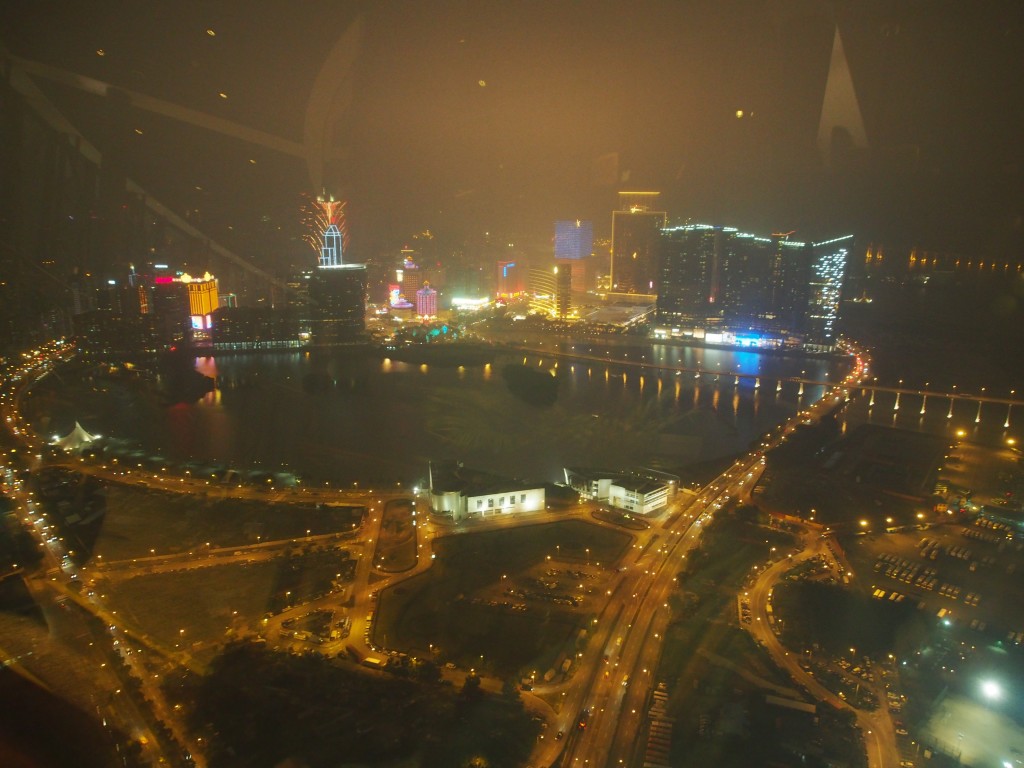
(451, 477)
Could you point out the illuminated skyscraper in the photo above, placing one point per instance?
(510, 279)
(573, 239)
(721, 278)
(332, 250)
(830, 259)
(337, 291)
(426, 301)
(636, 237)
(202, 293)
(551, 291)
(332, 239)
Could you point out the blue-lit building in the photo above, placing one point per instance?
(574, 239)
(721, 284)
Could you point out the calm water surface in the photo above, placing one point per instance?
(333, 417)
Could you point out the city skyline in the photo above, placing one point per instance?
(764, 167)
(490, 385)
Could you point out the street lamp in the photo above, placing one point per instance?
(991, 690)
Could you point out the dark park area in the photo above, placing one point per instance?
(279, 709)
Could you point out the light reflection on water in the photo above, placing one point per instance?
(373, 419)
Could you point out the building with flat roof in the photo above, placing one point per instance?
(461, 493)
(574, 239)
(636, 238)
(642, 492)
(719, 279)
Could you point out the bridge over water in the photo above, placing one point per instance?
(867, 388)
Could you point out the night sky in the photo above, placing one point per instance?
(482, 116)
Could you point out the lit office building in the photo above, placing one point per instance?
(573, 239)
(723, 285)
(510, 280)
(171, 307)
(825, 287)
(636, 237)
(337, 297)
(687, 280)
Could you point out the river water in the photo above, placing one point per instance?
(332, 416)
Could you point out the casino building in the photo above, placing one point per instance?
(337, 291)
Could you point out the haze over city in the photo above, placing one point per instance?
(511, 384)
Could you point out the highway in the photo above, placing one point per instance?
(632, 632)
(613, 679)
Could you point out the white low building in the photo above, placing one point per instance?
(640, 492)
(461, 493)
(638, 495)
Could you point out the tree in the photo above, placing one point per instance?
(471, 686)
(510, 691)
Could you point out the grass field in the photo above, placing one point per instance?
(396, 546)
(434, 608)
(138, 522)
(704, 647)
(210, 602)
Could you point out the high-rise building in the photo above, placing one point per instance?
(332, 240)
(337, 291)
(720, 278)
(686, 281)
(573, 239)
(337, 297)
(563, 291)
(202, 293)
(510, 279)
(826, 283)
(426, 301)
(636, 238)
(551, 291)
(409, 276)
(171, 307)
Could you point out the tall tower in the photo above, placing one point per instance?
(332, 217)
(337, 291)
(636, 234)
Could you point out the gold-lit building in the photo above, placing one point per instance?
(202, 294)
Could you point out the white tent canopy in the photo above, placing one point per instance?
(74, 439)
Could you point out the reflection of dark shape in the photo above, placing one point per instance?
(538, 388)
(182, 383)
(76, 505)
(17, 545)
(444, 355)
(15, 598)
(70, 737)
